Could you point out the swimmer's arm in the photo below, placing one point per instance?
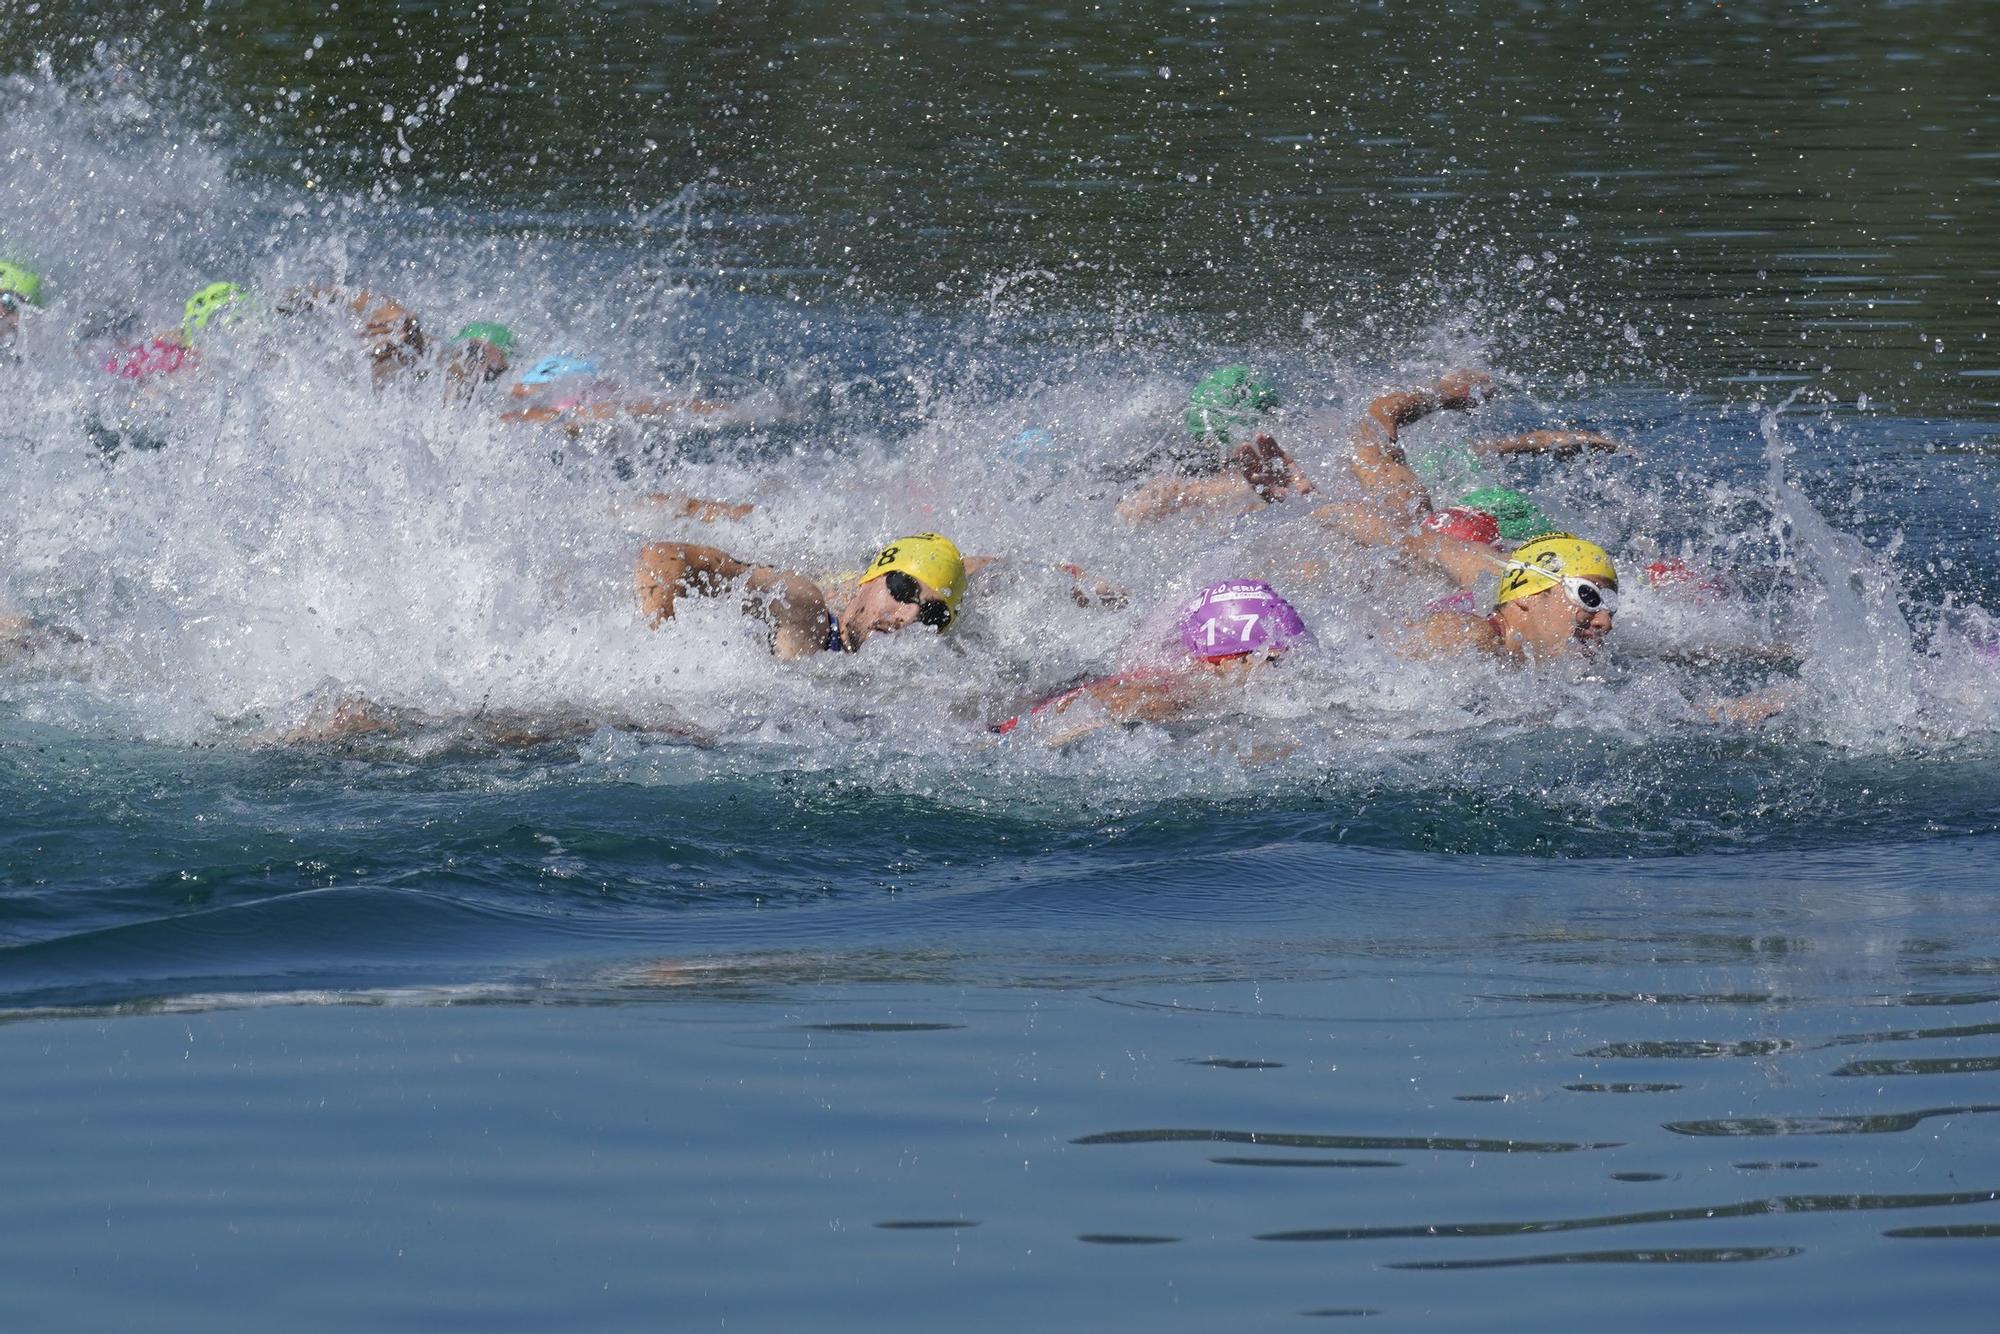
(1378, 462)
(681, 505)
(1087, 590)
(1120, 702)
(540, 412)
(1448, 634)
(1265, 475)
(1465, 562)
(1770, 655)
(1560, 443)
(1755, 707)
(1170, 495)
(672, 407)
(791, 604)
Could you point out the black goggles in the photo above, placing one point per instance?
(934, 612)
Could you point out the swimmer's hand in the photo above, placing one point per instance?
(1459, 390)
(1270, 471)
(681, 505)
(1755, 707)
(1087, 591)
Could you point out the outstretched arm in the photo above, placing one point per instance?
(1464, 562)
(1549, 442)
(1263, 474)
(1378, 461)
(1086, 589)
(791, 604)
(684, 506)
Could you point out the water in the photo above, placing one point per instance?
(775, 995)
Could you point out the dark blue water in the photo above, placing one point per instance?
(773, 996)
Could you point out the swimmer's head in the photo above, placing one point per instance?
(483, 349)
(550, 369)
(1464, 523)
(1238, 617)
(1032, 445)
(1228, 404)
(1519, 517)
(931, 576)
(20, 281)
(496, 336)
(1559, 560)
(205, 305)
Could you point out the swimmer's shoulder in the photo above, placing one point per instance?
(1443, 633)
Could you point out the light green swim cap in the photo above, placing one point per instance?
(485, 331)
(1520, 518)
(205, 305)
(21, 280)
(1228, 399)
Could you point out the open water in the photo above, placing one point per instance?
(765, 996)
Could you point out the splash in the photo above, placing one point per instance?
(257, 542)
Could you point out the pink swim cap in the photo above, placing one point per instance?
(1240, 616)
(140, 361)
(1464, 523)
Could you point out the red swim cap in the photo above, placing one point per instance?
(1463, 522)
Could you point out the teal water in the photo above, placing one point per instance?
(1480, 996)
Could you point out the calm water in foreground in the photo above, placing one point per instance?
(1499, 999)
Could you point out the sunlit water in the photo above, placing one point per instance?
(779, 995)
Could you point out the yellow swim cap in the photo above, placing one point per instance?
(927, 557)
(1547, 559)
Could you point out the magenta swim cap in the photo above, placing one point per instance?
(1240, 616)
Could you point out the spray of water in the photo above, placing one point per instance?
(238, 545)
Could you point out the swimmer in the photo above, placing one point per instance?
(1557, 594)
(173, 351)
(1086, 589)
(573, 392)
(1228, 416)
(1228, 634)
(349, 722)
(390, 336)
(20, 289)
(915, 580)
(478, 354)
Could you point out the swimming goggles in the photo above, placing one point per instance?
(1589, 597)
(903, 587)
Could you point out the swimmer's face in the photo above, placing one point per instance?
(1553, 621)
(477, 362)
(877, 609)
(10, 315)
(1236, 668)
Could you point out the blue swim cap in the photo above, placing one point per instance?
(550, 369)
(1024, 449)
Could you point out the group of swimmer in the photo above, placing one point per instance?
(570, 391)
(1553, 594)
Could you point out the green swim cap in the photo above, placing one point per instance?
(22, 281)
(499, 335)
(1519, 517)
(205, 305)
(1228, 399)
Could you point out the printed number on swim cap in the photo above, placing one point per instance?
(888, 557)
(1249, 620)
